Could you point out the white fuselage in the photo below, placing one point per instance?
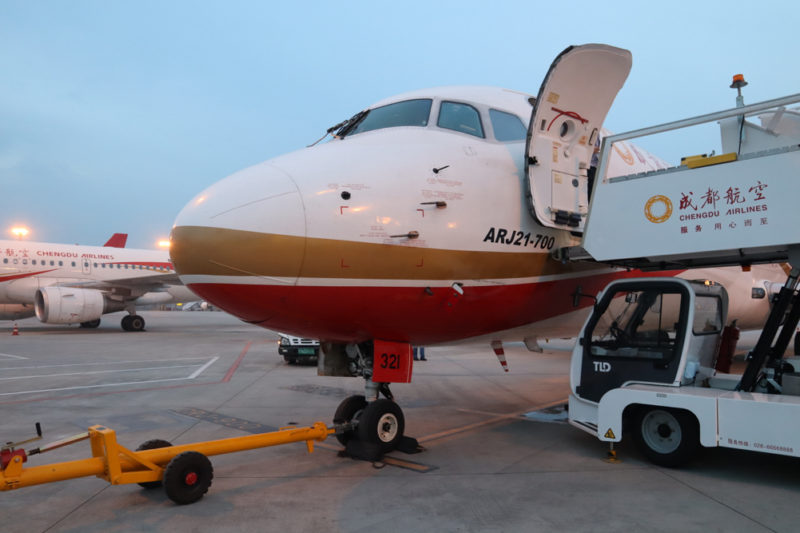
(345, 241)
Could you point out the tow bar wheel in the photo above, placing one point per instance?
(151, 445)
(668, 437)
(187, 477)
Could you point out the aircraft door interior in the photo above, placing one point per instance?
(569, 111)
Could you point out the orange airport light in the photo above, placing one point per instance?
(738, 81)
(20, 232)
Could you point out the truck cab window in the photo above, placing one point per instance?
(638, 324)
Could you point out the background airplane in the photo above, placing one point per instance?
(427, 219)
(69, 284)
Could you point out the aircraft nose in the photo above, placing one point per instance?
(248, 229)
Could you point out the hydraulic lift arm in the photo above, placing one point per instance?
(765, 352)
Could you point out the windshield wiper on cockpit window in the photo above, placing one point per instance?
(343, 128)
(351, 123)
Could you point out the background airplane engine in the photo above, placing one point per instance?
(65, 305)
(15, 311)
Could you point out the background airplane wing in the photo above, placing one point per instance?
(132, 286)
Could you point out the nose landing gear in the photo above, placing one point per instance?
(376, 424)
(379, 425)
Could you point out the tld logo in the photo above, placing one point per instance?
(602, 366)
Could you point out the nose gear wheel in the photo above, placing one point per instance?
(382, 423)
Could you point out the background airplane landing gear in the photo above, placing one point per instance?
(132, 323)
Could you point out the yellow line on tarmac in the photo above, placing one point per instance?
(409, 465)
(493, 420)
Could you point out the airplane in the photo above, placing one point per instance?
(69, 284)
(429, 217)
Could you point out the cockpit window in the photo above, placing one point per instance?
(460, 117)
(408, 113)
(507, 127)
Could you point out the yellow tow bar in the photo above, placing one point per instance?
(184, 470)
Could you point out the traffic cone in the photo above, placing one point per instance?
(15, 331)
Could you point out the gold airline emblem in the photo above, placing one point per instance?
(626, 156)
(658, 199)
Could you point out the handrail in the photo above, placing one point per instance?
(687, 122)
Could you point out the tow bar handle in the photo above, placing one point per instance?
(9, 446)
(60, 443)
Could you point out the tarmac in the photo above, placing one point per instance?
(486, 467)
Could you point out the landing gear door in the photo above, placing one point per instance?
(567, 116)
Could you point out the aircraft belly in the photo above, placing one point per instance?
(16, 311)
(415, 313)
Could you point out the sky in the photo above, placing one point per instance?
(113, 114)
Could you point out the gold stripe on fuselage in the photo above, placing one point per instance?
(229, 252)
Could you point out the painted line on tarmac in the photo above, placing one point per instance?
(115, 371)
(83, 387)
(107, 363)
(463, 429)
(236, 363)
(204, 367)
(408, 465)
(12, 356)
(495, 419)
(138, 390)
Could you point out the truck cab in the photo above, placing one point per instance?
(645, 361)
(661, 331)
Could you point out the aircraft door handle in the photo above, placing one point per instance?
(439, 204)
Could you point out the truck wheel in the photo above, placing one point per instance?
(348, 410)
(382, 423)
(667, 437)
(152, 444)
(187, 477)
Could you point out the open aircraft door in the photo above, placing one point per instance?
(565, 125)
